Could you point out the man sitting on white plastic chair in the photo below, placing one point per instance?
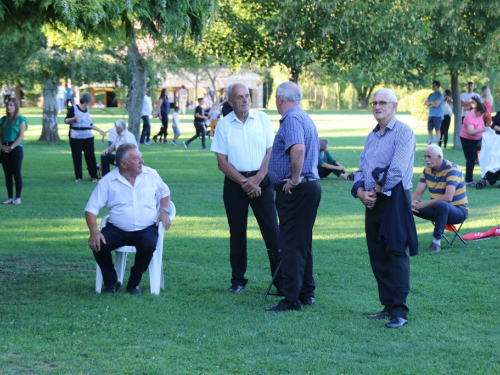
(131, 193)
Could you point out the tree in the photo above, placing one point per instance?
(461, 36)
(114, 20)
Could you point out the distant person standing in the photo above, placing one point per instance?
(147, 108)
(465, 98)
(163, 108)
(81, 138)
(293, 170)
(225, 106)
(60, 97)
(175, 126)
(12, 127)
(487, 98)
(435, 104)
(183, 96)
(69, 97)
(447, 113)
(199, 124)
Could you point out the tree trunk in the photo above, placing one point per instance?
(457, 109)
(293, 74)
(49, 130)
(137, 89)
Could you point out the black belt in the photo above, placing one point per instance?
(303, 181)
(7, 143)
(249, 174)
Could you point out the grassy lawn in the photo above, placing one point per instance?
(53, 322)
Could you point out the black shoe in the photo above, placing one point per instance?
(236, 289)
(282, 307)
(309, 301)
(134, 291)
(396, 322)
(112, 288)
(156, 137)
(381, 315)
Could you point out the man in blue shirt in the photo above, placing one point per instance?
(293, 170)
(390, 146)
(435, 103)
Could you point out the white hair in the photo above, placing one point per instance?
(290, 91)
(436, 150)
(121, 124)
(231, 85)
(390, 94)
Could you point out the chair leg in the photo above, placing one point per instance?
(272, 281)
(120, 263)
(98, 279)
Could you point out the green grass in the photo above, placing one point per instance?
(53, 322)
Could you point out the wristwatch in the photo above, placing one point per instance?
(166, 210)
(375, 190)
(11, 148)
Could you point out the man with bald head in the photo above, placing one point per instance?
(448, 203)
(293, 170)
(382, 184)
(242, 143)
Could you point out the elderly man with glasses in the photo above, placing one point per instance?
(382, 183)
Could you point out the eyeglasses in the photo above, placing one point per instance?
(381, 104)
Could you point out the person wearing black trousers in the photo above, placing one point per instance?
(242, 143)
(199, 124)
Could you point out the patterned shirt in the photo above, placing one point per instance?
(296, 127)
(396, 149)
(449, 174)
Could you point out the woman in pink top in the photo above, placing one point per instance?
(470, 135)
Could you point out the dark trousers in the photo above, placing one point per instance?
(146, 129)
(200, 131)
(236, 202)
(11, 163)
(87, 147)
(325, 172)
(106, 161)
(469, 147)
(391, 267)
(297, 214)
(441, 214)
(445, 126)
(145, 243)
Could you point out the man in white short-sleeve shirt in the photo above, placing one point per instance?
(122, 136)
(465, 99)
(131, 193)
(242, 142)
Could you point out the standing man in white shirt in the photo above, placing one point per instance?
(242, 142)
(465, 99)
(147, 108)
(183, 95)
(123, 136)
(130, 193)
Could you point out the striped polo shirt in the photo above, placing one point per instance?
(449, 174)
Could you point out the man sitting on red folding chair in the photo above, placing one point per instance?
(448, 203)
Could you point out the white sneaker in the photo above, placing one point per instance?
(95, 180)
(8, 201)
(185, 145)
(16, 201)
(78, 180)
(472, 183)
(148, 143)
(174, 143)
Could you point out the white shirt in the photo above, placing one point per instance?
(112, 134)
(131, 208)
(175, 119)
(465, 97)
(125, 137)
(245, 144)
(147, 106)
(61, 92)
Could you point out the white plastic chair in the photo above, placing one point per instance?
(156, 279)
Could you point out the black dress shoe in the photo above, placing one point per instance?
(282, 307)
(380, 315)
(134, 291)
(237, 289)
(309, 301)
(112, 288)
(396, 322)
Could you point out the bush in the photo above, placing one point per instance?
(417, 107)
